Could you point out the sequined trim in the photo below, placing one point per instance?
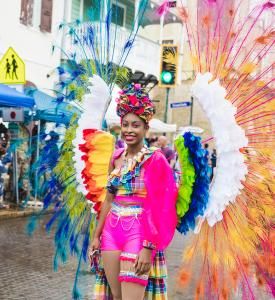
(130, 276)
(149, 245)
(128, 256)
(126, 211)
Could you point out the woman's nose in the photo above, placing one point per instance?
(129, 129)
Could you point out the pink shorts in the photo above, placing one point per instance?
(122, 232)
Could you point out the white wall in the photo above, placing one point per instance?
(32, 45)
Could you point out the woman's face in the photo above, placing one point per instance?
(133, 129)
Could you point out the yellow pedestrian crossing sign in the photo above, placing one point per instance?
(12, 68)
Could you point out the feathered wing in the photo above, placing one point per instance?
(76, 189)
(233, 250)
(76, 179)
(193, 194)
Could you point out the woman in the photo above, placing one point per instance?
(138, 218)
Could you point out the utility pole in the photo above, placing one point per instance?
(166, 104)
(191, 111)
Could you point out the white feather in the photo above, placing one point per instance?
(229, 138)
(94, 105)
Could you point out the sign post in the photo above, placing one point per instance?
(12, 68)
(180, 104)
(12, 72)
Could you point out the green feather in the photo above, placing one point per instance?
(187, 178)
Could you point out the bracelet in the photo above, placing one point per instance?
(148, 245)
(147, 248)
(112, 189)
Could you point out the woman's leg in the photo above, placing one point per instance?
(111, 264)
(131, 290)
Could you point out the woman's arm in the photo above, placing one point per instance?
(106, 206)
(103, 214)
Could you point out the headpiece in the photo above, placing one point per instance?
(133, 99)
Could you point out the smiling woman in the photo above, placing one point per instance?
(130, 233)
(133, 130)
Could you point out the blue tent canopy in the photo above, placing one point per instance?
(48, 109)
(11, 97)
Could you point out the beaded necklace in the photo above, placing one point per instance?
(130, 163)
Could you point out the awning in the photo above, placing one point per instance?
(157, 126)
(12, 98)
(48, 109)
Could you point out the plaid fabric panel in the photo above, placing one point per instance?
(102, 290)
(155, 289)
(134, 186)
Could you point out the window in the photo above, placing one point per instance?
(46, 15)
(37, 13)
(119, 14)
(26, 12)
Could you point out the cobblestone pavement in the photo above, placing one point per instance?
(26, 266)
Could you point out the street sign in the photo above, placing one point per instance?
(180, 104)
(13, 114)
(12, 68)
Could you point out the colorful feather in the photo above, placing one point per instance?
(233, 55)
(75, 186)
(200, 186)
(187, 178)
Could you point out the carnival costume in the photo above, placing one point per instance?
(130, 227)
(232, 219)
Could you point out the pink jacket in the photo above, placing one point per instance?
(159, 218)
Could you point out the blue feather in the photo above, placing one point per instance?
(52, 220)
(200, 194)
(108, 21)
(60, 70)
(32, 224)
(76, 294)
(128, 45)
(55, 262)
(90, 35)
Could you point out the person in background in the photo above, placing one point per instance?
(213, 162)
(206, 146)
(167, 151)
(153, 142)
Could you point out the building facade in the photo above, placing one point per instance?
(30, 27)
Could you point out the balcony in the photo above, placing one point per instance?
(144, 55)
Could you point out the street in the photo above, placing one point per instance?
(26, 270)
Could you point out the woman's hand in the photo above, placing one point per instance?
(143, 262)
(94, 246)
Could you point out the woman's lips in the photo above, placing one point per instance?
(129, 138)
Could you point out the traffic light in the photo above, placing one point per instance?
(168, 65)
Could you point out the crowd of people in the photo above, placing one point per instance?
(168, 151)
